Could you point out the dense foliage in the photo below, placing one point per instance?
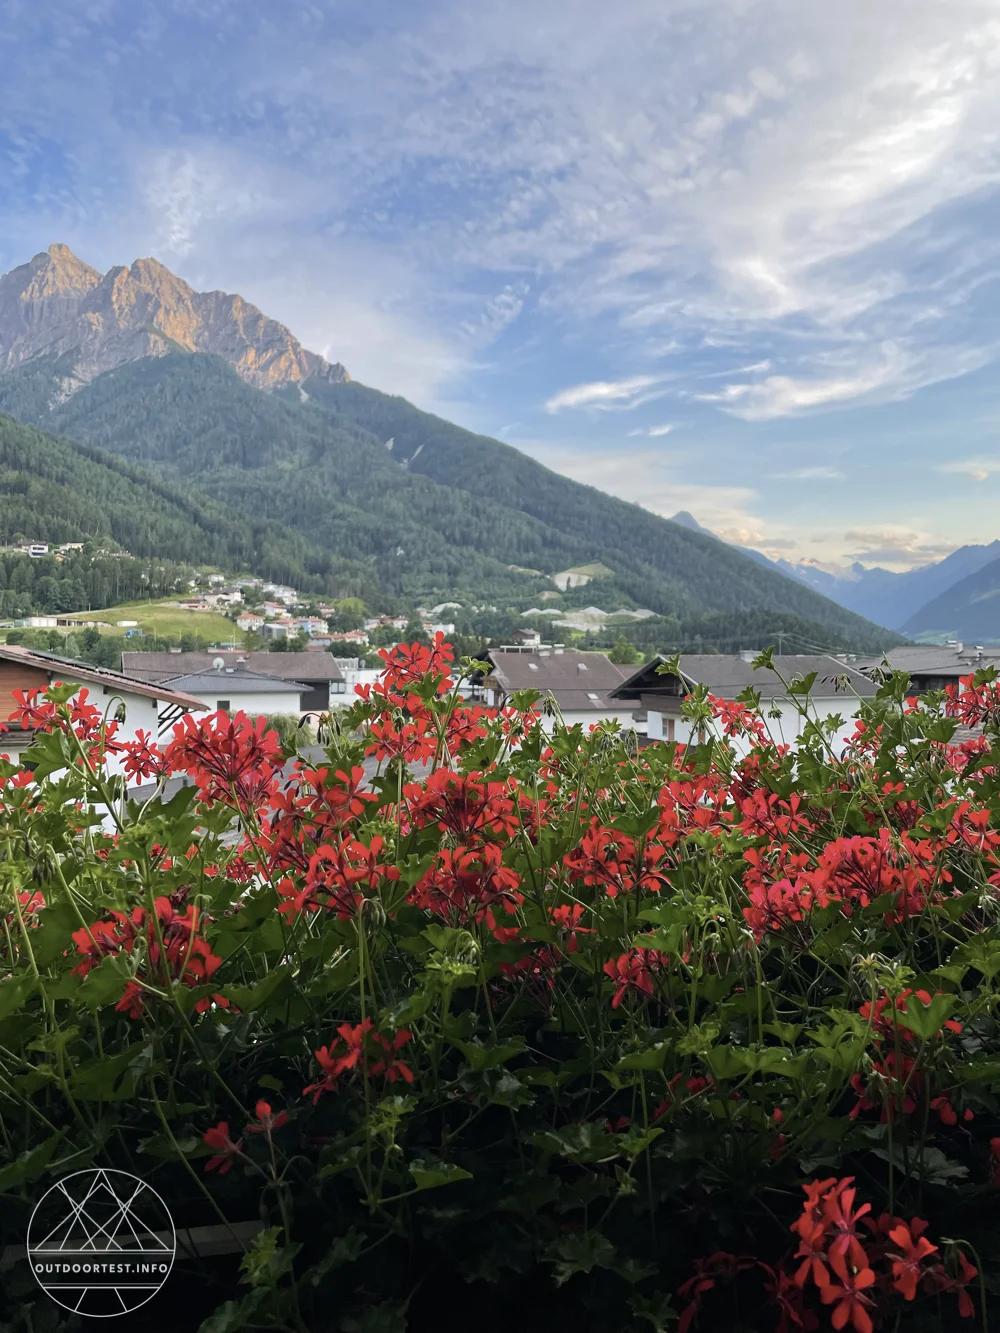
(429, 509)
(557, 1032)
(82, 581)
(57, 490)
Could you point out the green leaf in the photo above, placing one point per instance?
(429, 1175)
(587, 1142)
(13, 993)
(926, 1020)
(488, 1057)
(389, 1317)
(981, 952)
(249, 998)
(234, 1316)
(650, 1057)
(581, 1253)
(29, 1164)
(343, 1250)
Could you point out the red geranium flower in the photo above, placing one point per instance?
(226, 1151)
(267, 1121)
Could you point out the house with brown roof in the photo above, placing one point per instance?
(317, 672)
(150, 707)
(837, 691)
(579, 685)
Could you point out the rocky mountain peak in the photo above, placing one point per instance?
(57, 305)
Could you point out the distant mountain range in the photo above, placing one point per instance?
(210, 400)
(955, 598)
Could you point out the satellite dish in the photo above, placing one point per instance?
(219, 664)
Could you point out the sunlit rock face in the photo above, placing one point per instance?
(56, 305)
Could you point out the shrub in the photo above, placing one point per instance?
(555, 1034)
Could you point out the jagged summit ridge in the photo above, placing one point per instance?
(57, 305)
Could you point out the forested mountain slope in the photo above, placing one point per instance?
(57, 490)
(441, 512)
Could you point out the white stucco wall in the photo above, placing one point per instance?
(287, 701)
(785, 730)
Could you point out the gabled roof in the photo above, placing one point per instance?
(237, 682)
(579, 682)
(935, 659)
(727, 676)
(66, 669)
(311, 667)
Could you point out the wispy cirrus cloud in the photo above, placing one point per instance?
(624, 393)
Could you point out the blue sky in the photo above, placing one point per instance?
(732, 256)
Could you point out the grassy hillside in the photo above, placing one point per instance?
(167, 620)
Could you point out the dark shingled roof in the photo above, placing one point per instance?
(727, 676)
(571, 678)
(935, 660)
(309, 667)
(236, 682)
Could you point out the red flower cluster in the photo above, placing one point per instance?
(466, 805)
(469, 884)
(785, 886)
(853, 1258)
(896, 1083)
(32, 713)
(856, 1264)
(974, 705)
(231, 759)
(377, 1055)
(338, 878)
(634, 971)
(185, 956)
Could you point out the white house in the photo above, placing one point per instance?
(838, 690)
(249, 621)
(234, 689)
(224, 597)
(579, 684)
(148, 707)
(310, 625)
(318, 672)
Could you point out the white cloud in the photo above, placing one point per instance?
(819, 473)
(656, 431)
(603, 393)
(645, 477)
(979, 468)
(885, 372)
(896, 546)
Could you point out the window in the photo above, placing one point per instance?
(581, 666)
(338, 687)
(596, 698)
(224, 704)
(532, 666)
